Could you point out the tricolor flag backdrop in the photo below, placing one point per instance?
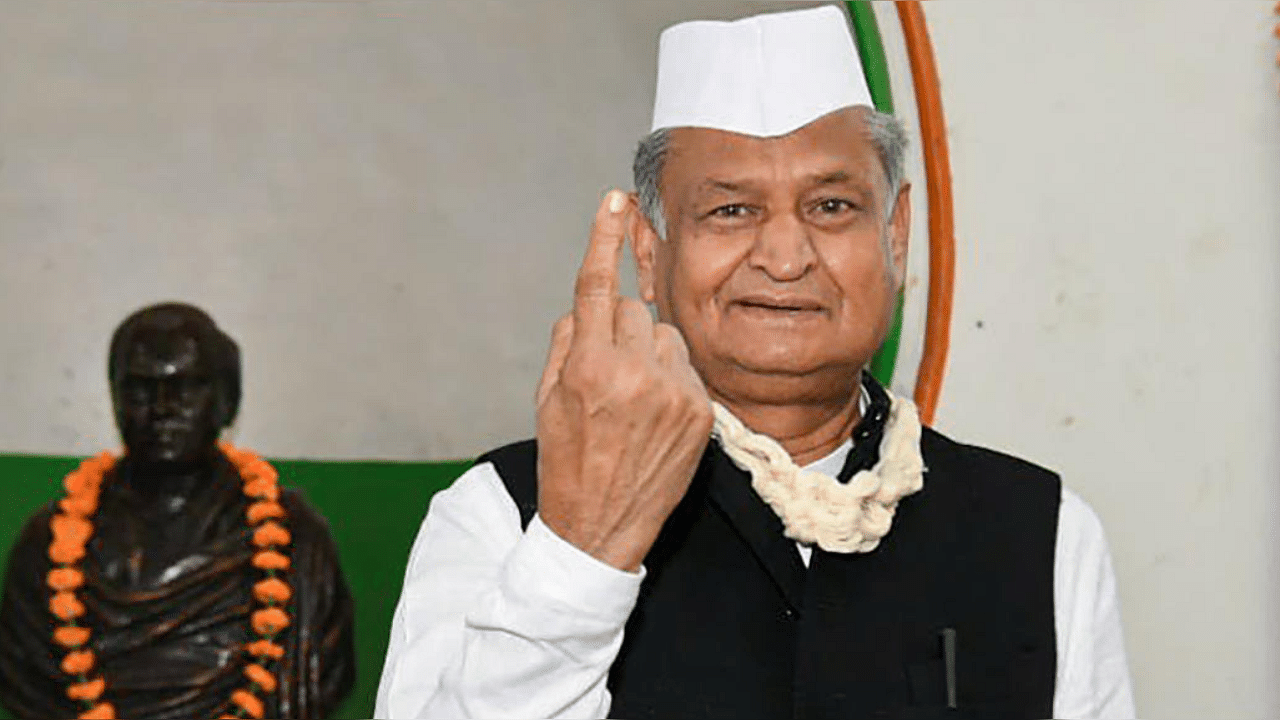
(384, 203)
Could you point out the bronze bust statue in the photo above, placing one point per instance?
(178, 581)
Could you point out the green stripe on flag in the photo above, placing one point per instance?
(871, 50)
(876, 67)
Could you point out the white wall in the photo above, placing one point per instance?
(385, 202)
(1117, 186)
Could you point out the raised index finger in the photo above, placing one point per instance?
(596, 292)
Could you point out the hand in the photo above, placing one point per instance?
(623, 419)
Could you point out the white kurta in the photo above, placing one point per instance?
(498, 623)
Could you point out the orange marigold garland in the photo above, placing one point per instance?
(72, 528)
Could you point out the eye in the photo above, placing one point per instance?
(731, 211)
(832, 206)
(136, 390)
(193, 386)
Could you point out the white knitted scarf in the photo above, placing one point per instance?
(815, 507)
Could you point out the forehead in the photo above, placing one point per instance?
(836, 143)
(164, 353)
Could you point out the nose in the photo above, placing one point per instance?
(783, 249)
(165, 400)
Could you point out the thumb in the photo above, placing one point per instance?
(561, 340)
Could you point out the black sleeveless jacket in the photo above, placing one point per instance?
(730, 623)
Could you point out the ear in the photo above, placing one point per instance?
(227, 387)
(226, 411)
(644, 244)
(117, 407)
(899, 233)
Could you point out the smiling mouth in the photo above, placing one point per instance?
(789, 307)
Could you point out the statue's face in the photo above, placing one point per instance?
(168, 400)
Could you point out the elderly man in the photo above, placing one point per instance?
(822, 555)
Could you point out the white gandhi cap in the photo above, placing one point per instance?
(764, 75)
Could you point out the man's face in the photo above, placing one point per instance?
(167, 401)
(780, 267)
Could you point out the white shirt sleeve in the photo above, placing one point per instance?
(1093, 674)
(496, 623)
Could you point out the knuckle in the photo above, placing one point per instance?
(594, 370)
(634, 378)
(562, 333)
(593, 282)
(632, 317)
(579, 371)
(634, 370)
(630, 387)
(632, 306)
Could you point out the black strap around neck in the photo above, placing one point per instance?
(869, 431)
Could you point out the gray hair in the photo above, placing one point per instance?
(887, 133)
